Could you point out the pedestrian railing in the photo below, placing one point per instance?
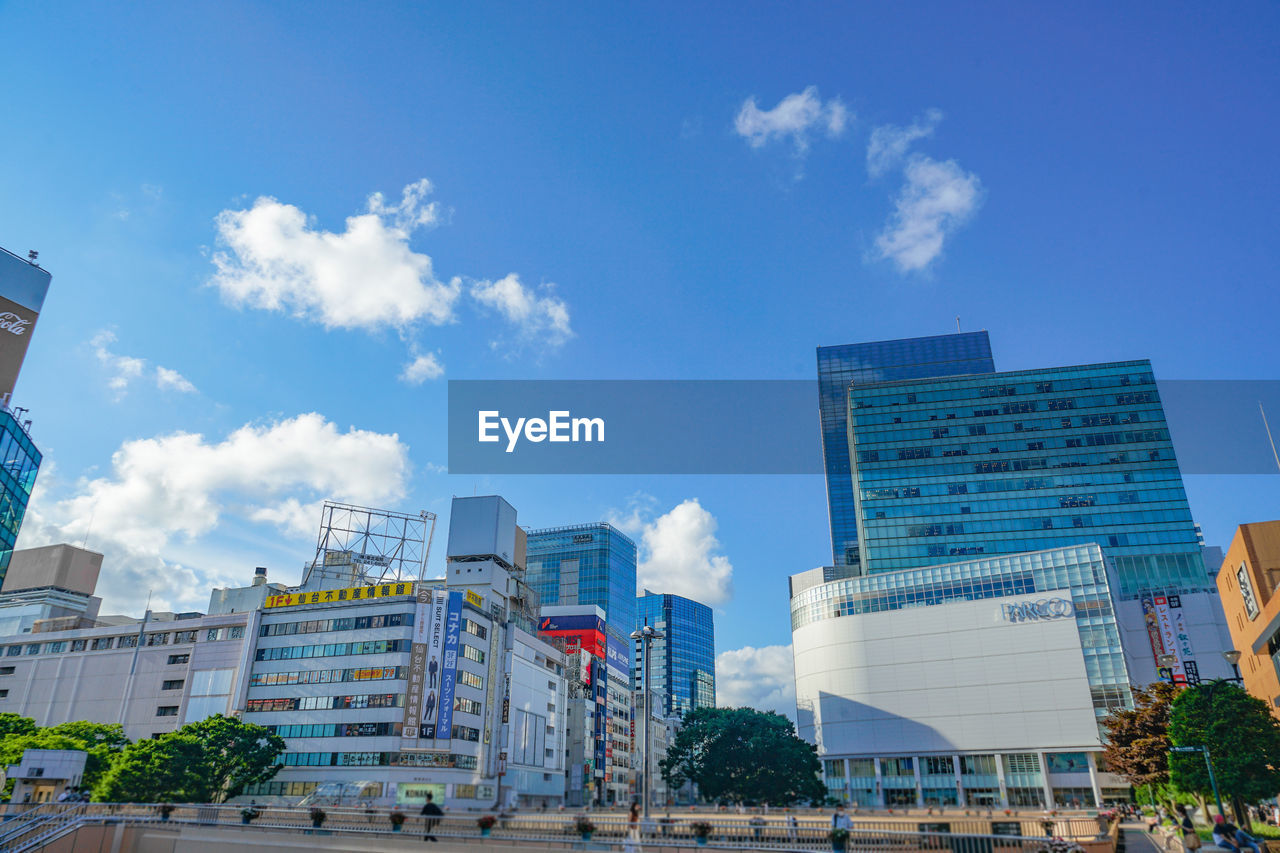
(39, 826)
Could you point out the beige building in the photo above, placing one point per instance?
(1247, 583)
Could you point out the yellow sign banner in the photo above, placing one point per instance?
(474, 598)
(339, 596)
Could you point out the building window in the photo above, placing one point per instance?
(179, 658)
(468, 706)
(14, 651)
(213, 634)
(472, 653)
(167, 711)
(172, 684)
(237, 632)
(78, 645)
(184, 637)
(6, 670)
(129, 642)
(33, 649)
(158, 639)
(101, 643)
(470, 679)
(56, 648)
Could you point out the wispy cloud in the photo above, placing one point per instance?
(420, 368)
(539, 319)
(122, 370)
(796, 117)
(889, 143)
(937, 198)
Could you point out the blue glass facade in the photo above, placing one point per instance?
(683, 664)
(586, 564)
(952, 468)
(1078, 573)
(19, 462)
(838, 366)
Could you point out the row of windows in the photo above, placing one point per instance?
(369, 647)
(889, 529)
(127, 641)
(964, 503)
(327, 676)
(928, 451)
(324, 703)
(349, 623)
(474, 628)
(1156, 474)
(377, 759)
(1006, 466)
(874, 429)
(337, 730)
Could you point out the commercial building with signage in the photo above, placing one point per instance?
(1248, 581)
(974, 683)
(683, 661)
(600, 718)
(23, 285)
(593, 564)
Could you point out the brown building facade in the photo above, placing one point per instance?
(1249, 586)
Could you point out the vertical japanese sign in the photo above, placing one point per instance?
(449, 666)
(435, 652)
(417, 667)
(1152, 621)
(1169, 638)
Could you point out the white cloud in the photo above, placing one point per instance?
(422, 367)
(540, 319)
(365, 277)
(761, 678)
(937, 198)
(889, 143)
(123, 369)
(172, 380)
(794, 117)
(678, 551)
(166, 492)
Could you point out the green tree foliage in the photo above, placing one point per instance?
(205, 762)
(1138, 740)
(12, 724)
(1241, 734)
(101, 741)
(743, 755)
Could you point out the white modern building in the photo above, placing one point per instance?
(972, 683)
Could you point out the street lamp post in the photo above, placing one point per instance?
(1208, 763)
(646, 635)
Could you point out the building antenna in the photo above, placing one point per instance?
(957, 324)
(89, 527)
(1269, 438)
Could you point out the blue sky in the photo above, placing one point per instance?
(680, 192)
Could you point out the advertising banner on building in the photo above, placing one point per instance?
(449, 666)
(417, 668)
(618, 657)
(23, 286)
(335, 596)
(1169, 637)
(1152, 622)
(559, 625)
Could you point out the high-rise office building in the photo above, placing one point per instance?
(683, 662)
(586, 564)
(878, 361)
(23, 285)
(992, 511)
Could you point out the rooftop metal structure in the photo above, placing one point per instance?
(372, 546)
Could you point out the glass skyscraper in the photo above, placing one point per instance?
(683, 663)
(19, 462)
(949, 469)
(586, 564)
(879, 361)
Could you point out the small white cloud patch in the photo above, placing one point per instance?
(937, 198)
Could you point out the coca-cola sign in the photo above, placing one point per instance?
(13, 324)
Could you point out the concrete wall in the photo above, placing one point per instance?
(63, 566)
(952, 677)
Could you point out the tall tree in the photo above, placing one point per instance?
(205, 762)
(1138, 740)
(101, 741)
(1242, 736)
(743, 755)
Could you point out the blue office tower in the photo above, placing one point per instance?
(958, 468)
(879, 361)
(586, 564)
(19, 462)
(683, 662)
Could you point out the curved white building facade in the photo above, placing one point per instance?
(973, 683)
